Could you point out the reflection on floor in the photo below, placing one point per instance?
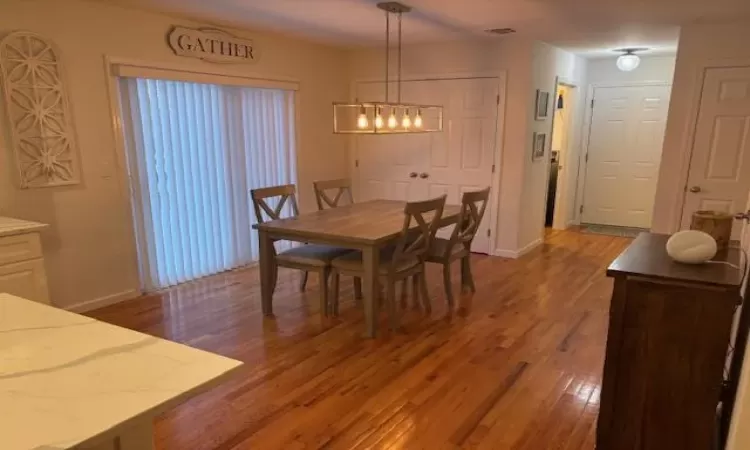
(517, 368)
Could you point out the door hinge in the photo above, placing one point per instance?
(498, 99)
(489, 232)
(580, 209)
(592, 102)
(587, 157)
(493, 168)
(356, 163)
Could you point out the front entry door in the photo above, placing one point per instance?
(719, 175)
(624, 152)
(422, 166)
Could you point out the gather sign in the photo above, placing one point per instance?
(210, 44)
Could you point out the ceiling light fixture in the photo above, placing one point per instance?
(629, 61)
(367, 117)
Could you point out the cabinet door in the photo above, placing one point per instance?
(25, 279)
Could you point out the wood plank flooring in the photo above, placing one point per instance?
(519, 367)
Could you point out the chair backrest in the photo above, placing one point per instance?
(473, 206)
(260, 201)
(415, 244)
(343, 187)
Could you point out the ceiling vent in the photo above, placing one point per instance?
(500, 30)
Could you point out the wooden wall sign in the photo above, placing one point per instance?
(210, 44)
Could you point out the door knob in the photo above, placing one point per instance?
(413, 175)
(424, 175)
(743, 216)
(695, 189)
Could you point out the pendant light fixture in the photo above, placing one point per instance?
(629, 61)
(387, 117)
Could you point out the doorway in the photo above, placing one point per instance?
(413, 167)
(557, 188)
(623, 153)
(719, 173)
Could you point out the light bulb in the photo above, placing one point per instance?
(418, 119)
(392, 121)
(362, 121)
(628, 62)
(406, 120)
(378, 118)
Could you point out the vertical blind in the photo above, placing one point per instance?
(194, 151)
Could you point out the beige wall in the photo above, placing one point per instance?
(510, 54)
(548, 64)
(89, 246)
(700, 46)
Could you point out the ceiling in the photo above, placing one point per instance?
(588, 27)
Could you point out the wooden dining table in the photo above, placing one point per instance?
(368, 227)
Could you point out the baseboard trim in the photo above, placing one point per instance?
(520, 252)
(103, 301)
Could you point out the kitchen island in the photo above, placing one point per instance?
(71, 382)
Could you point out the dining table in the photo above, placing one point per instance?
(368, 226)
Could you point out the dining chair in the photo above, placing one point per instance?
(307, 257)
(458, 246)
(341, 189)
(405, 259)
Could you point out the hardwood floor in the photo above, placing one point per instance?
(518, 368)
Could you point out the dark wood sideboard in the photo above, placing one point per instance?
(669, 330)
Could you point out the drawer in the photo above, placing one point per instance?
(25, 279)
(21, 247)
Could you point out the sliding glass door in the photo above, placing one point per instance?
(194, 151)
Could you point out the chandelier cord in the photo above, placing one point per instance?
(387, 48)
(399, 58)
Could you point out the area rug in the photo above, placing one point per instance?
(612, 230)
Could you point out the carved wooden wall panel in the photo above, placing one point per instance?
(41, 124)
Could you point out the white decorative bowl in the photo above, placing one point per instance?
(691, 247)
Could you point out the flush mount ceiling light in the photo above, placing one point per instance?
(629, 61)
(386, 117)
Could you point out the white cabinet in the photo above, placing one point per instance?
(21, 260)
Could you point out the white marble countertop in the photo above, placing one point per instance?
(68, 380)
(10, 226)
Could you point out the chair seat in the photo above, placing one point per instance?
(352, 262)
(311, 255)
(439, 246)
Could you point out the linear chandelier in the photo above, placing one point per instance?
(386, 117)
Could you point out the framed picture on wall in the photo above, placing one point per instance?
(542, 105)
(538, 146)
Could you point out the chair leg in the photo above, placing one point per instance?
(274, 276)
(358, 288)
(404, 293)
(323, 274)
(467, 278)
(447, 284)
(334, 303)
(415, 291)
(303, 281)
(425, 294)
(391, 304)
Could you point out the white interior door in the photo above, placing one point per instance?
(624, 152)
(457, 160)
(719, 175)
(388, 165)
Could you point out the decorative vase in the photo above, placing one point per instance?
(691, 247)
